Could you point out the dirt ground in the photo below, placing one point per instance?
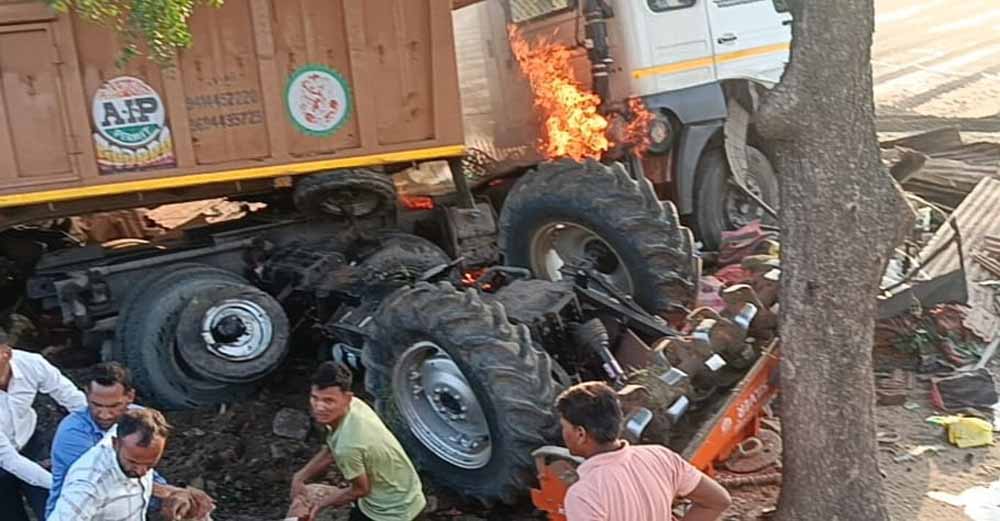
(233, 454)
(907, 483)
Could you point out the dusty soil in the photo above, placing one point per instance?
(233, 454)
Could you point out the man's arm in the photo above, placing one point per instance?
(709, 500)
(69, 443)
(23, 468)
(360, 487)
(79, 501)
(316, 466)
(60, 388)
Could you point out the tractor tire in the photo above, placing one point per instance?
(352, 193)
(653, 257)
(504, 381)
(401, 258)
(719, 206)
(147, 338)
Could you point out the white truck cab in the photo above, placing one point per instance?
(699, 65)
(676, 44)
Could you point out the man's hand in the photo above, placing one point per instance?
(710, 501)
(333, 499)
(298, 488)
(188, 503)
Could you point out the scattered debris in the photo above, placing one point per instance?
(893, 390)
(292, 424)
(964, 431)
(966, 390)
(770, 478)
(974, 217)
(979, 503)
(756, 453)
(939, 166)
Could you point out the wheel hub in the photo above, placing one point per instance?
(740, 209)
(237, 330)
(561, 243)
(440, 406)
(355, 203)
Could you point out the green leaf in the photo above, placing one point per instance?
(162, 25)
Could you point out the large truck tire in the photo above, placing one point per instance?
(720, 206)
(353, 193)
(157, 331)
(564, 212)
(466, 392)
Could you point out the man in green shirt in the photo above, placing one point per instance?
(384, 484)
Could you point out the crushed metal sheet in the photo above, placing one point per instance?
(952, 168)
(977, 217)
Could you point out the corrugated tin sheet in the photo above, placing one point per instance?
(953, 168)
(977, 217)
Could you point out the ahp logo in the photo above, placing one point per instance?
(130, 123)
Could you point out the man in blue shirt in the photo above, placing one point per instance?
(109, 394)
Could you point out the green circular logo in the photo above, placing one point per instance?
(318, 100)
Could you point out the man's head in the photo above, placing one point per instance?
(591, 417)
(109, 393)
(139, 443)
(331, 394)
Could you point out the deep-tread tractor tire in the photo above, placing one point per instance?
(645, 232)
(401, 258)
(511, 378)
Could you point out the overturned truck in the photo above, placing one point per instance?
(469, 290)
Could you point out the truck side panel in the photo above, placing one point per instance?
(267, 87)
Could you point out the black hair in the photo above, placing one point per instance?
(111, 373)
(4, 338)
(148, 423)
(331, 374)
(593, 406)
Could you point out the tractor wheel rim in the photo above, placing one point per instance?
(559, 243)
(440, 407)
(250, 343)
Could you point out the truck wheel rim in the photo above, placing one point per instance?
(351, 203)
(560, 243)
(440, 407)
(740, 209)
(250, 342)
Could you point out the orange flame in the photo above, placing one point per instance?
(573, 126)
(637, 130)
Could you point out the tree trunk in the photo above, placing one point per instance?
(841, 216)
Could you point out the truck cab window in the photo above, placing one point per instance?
(660, 6)
(524, 10)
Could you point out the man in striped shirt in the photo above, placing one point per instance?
(113, 481)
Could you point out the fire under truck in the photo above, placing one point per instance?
(468, 289)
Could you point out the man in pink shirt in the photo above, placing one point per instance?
(620, 482)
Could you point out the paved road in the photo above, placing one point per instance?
(937, 62)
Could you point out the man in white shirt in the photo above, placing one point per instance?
(22, 376)
(113, 481)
